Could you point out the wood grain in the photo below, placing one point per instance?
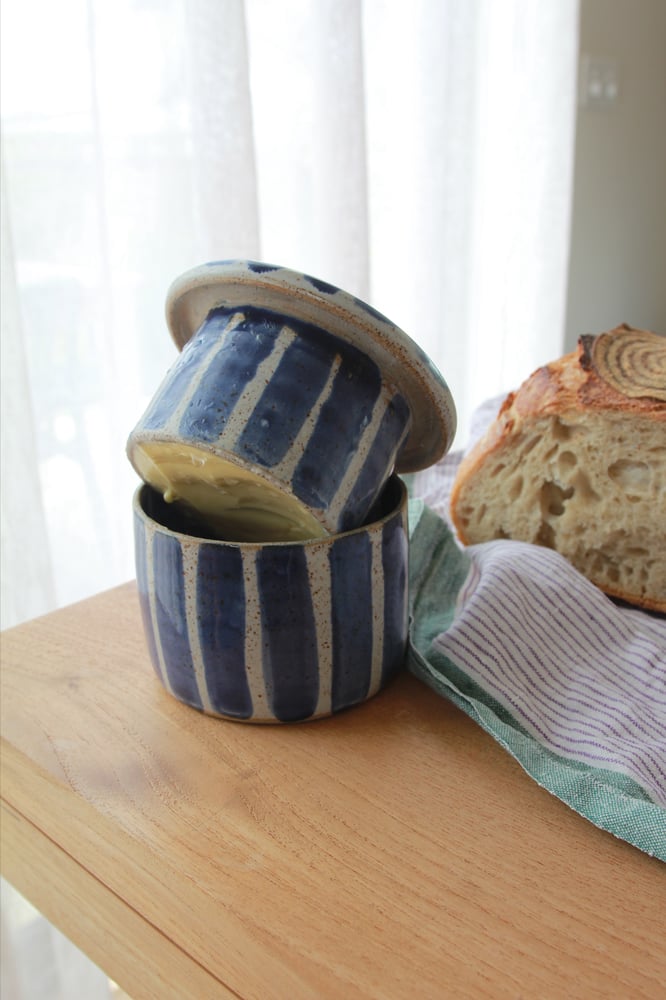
(392, 851)
(110, 932)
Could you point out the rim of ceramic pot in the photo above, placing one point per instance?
(397, 508)
(403, 364)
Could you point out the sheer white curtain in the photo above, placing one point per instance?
(417, 154)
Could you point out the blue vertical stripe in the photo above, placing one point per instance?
(171, 618)
(221, 612)
(233, 366)
(179, 378)
(285, 403)
(143, 586)
(351, 608)
(340, 426)
(289, 632)
(391, 433)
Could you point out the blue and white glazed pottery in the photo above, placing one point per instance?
(274, 632)
(289, 406)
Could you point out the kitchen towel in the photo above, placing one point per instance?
(572, 684)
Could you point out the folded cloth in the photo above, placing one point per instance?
(569, 682)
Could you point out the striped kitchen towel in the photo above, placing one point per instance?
(570, 683)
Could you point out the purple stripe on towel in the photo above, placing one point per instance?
(570, 648)
(585, 677)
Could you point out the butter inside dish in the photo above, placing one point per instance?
(231, 502)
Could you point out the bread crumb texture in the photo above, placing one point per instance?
(586, 480)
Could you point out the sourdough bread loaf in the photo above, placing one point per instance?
(576, 461)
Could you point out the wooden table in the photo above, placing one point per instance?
(395, 851)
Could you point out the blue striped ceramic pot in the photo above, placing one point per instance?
(275, 632)
(289, 406)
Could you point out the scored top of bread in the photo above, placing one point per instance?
(576, 461)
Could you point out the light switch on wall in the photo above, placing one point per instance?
(599, 83)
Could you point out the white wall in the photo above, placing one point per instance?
(617, 270)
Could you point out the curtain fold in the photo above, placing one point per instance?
(471, 117)
(220, 130)
(26, 571)
(308, 104)
(418, 155)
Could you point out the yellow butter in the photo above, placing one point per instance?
(235, 503)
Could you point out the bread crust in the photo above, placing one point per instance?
(567, 388)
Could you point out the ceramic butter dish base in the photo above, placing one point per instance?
(274, 632)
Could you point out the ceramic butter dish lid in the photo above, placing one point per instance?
(289, 407)
(235, 283)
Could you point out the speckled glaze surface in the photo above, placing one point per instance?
(299, 382)
(273, 632)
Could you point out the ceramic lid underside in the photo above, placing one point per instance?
(402, 362)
